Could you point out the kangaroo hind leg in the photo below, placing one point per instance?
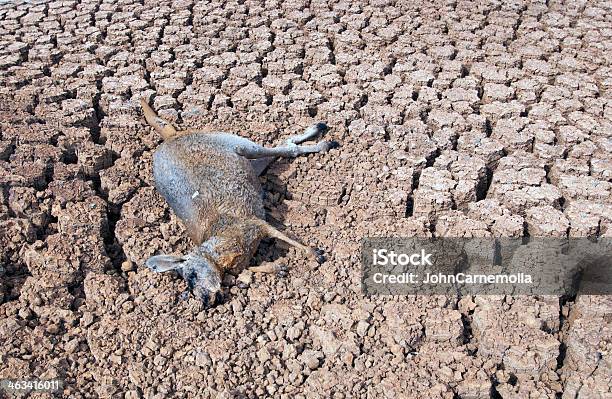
(290, 150)
(260, 164)
(308, 134)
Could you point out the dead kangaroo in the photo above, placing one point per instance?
(210, 182)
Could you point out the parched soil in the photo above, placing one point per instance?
(455, 118)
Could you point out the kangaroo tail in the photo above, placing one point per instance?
(164, 128)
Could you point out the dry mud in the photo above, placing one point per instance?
(455, 118)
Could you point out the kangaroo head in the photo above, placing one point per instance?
(202, 276)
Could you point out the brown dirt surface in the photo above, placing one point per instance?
(463, 118)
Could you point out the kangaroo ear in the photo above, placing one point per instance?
(164, 263)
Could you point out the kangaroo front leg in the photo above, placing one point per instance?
(270, 268)
(270, 231)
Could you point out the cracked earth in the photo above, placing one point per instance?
(456, 119)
